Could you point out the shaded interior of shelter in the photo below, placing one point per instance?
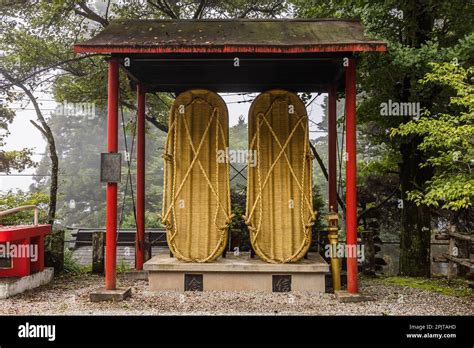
(310, 72)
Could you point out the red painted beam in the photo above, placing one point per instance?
(360, 47)
(332, 153)
(111, 190)
(351, 177)
(140, 205)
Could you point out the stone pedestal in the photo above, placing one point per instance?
(117, 295)
(236, 273)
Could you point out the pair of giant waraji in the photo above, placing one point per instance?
(196, 207)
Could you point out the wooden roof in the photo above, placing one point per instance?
(230, 36)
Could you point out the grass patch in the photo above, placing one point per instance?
(457, 287)
(123, 267)
(72, 266)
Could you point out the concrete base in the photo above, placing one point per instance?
(17, 285)
(116, 295)
(136, 275)
(346, 297)
(236, 273)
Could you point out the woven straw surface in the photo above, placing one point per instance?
(279, 194)
(196, 207)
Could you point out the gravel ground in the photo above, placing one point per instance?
(68, 295)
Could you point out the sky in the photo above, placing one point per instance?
(24, 134)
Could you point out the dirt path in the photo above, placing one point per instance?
(70, 295)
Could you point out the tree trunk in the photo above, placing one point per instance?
(53, 156)
(416, 220)
(53, 189)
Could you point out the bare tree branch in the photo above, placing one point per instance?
(163, 7)
(107, 10)
(157, 124)
(88, 13)
(165, 3)
(270, 11)
(200, 9)
(49, 67)
(42, 131)
(151, 119)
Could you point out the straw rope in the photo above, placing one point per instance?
(191, 236)
(278, 233)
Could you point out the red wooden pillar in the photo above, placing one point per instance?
(111, 190)
(351, 177)
(332, 143)
(140, 206)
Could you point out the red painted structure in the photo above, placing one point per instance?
(19, 240)
(351, 176)
(111, 190)
(236, 49)
(140, 205)
(173, 56)
(332, 146)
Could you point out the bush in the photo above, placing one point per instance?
(15, 199)
(70, 263)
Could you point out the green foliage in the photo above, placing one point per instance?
(417, 33)
(320, 223)
(441, 286)
(238, 201)
(70, 263)
(17, 160)
(379, 163)
(13, 199)
(11, 160)
(151, 220)
(123, 267)
(238, 135)
(318, 207)
(447, 141)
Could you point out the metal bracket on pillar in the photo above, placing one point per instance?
(110, 167)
